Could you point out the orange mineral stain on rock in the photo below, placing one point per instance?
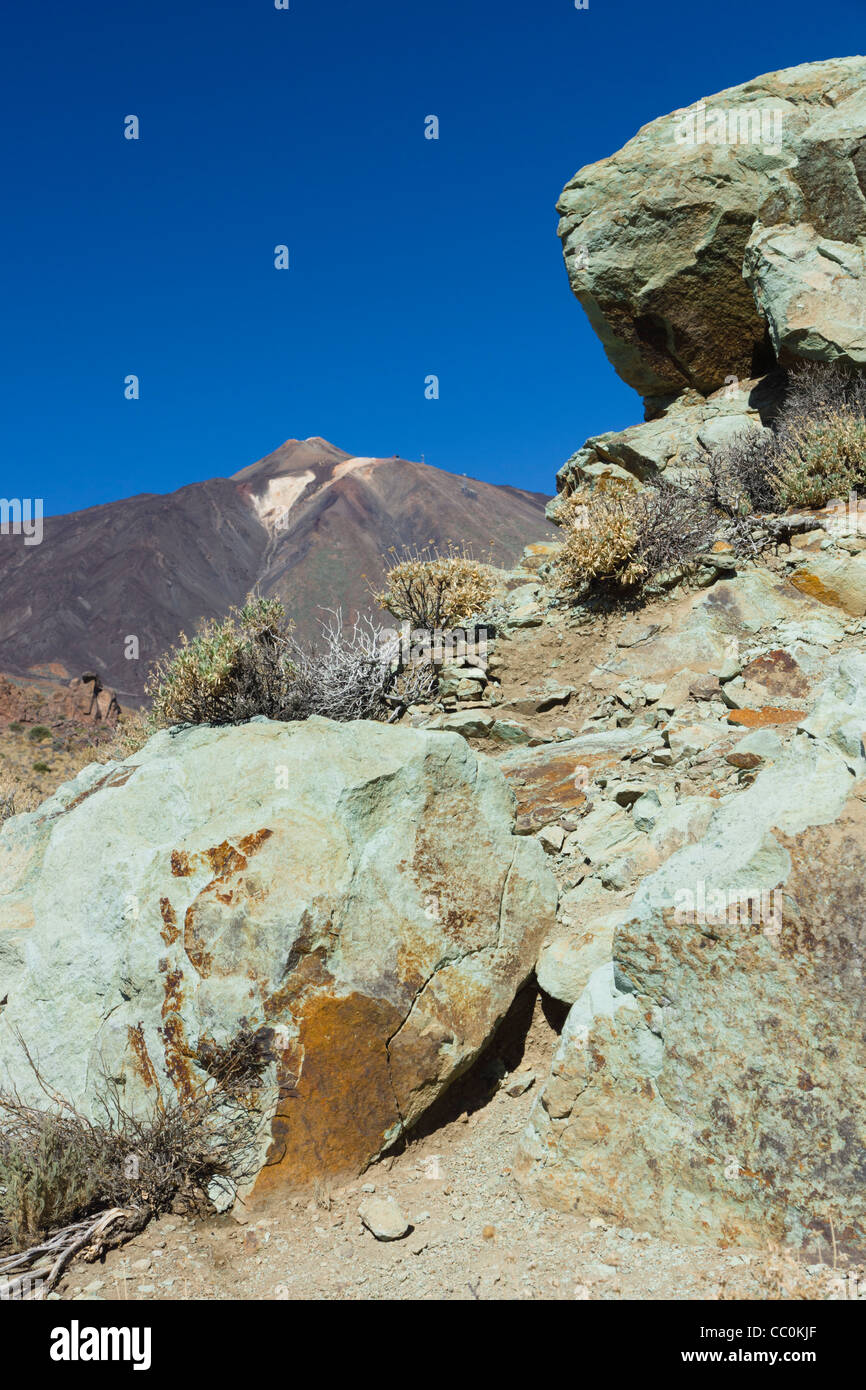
(333, 1118)
(809, 583)
(744, 761)
(549, 788)
(764, 718)
(142, 1064)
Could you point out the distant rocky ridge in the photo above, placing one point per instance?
(82, 700)
(309, 523)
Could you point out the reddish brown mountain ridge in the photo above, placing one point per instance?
(306, 523)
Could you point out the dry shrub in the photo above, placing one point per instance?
(821, 457)
(130, 734)
(355, 673)
(620, 536)
(742, 478)
(815, 451)
(600, 536)
(252, 664)
(15, 799)
(57, 1166)
(435, 591)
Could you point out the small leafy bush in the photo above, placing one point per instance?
(47, 1179)
(39, 733)
(229, 671)
(434, 591)
(822, 457)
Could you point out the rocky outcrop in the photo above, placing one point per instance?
(767, 178)
(680, 438)
(353, 895)
(85, 700)
(708, 1080)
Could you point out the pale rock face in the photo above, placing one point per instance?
(768, 175)
(708, 1082)
(353, 894)
(836, 579)
(680, 439)
(812, 292)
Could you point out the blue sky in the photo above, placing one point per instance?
(408, 257)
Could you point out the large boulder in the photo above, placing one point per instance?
(353, 895)
(708, 1083)
(767, 178)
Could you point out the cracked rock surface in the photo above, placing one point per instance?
(353, 894)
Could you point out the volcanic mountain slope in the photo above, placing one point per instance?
(308, 523)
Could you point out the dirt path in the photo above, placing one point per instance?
(474, 1236)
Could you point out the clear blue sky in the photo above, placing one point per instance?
(306, 127)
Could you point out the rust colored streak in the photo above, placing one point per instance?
(144, 1066)
(251, 844)
(224, 859)
(173, 986)
(111, 779)
(744, 761)
(221, 859)
(170, 931)
(194, 945)
(548, 789)
(810, 584)
(779, 674)
(180, 865)
(177, 1055)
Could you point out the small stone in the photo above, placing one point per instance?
(383, 1218)
(729, 669)
(222, 1193)
(520, 1084)
(704, 687)
(489, 1233)
(628, 793)
(652, 692)
(647, 810)
(509, 731)
(551, 839)
(559, 695)
(744, 761)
